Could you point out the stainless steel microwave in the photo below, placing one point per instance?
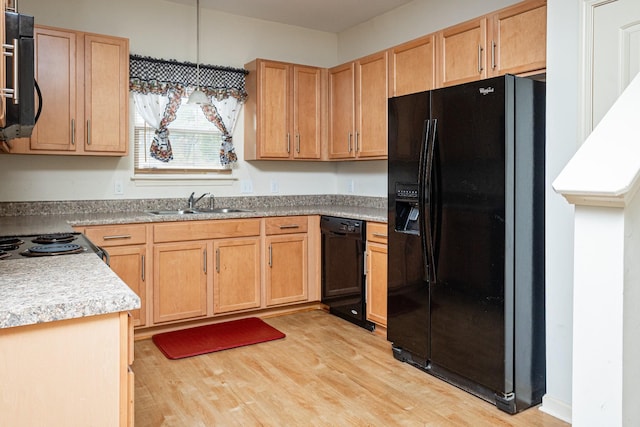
(20, 84)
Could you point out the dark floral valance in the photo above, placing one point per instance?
(157, 86)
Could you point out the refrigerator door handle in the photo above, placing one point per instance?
(423, 161)
(423, 196)
(429, 223)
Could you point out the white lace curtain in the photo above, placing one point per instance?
(158, 86)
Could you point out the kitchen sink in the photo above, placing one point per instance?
(222, 210)
(173, 212)
(197, 211)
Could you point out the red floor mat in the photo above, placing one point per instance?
(216, 337)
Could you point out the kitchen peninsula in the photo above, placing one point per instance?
(66, 339)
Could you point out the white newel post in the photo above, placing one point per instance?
(602, 181)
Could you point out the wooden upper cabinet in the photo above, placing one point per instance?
(511, 40)
(462, 53)
(283, 113)
(371, 106)
(273, 113)
(342, 111)
(519, 38)
(106, 84)
(358, 94)
(84, 80)
(308, 88)
(57, 67)
(412, 66)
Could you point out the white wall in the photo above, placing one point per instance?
(563, 65)
(232, 41)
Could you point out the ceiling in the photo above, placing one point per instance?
(332, 16)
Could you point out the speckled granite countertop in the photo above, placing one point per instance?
(36, 290)
(49, 217)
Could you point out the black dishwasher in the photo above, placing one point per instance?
(343, 277)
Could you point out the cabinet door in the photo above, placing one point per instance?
(371, 104)
(307, 117)
(286, 271)
(462, 53)
(342, 111)
(519, 39)
(106, 80)
(412, 67)
(128, 262)
(180, 281)
(236, 284)
(377, 283)
(56, 71)
(274, 140)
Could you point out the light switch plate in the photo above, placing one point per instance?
(118, 188)
(246, 186)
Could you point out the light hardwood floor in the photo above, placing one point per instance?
(326, 372)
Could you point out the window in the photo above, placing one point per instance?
(195, 142)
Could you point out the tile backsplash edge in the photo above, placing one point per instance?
(138, 205)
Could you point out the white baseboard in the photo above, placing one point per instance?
(556, 408)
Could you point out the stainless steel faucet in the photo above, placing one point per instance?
(193, 202)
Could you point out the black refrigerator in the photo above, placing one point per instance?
(466, 237)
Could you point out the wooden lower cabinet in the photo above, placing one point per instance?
(59, 378)
(286, 271)
(128, 262)
(377, 273)
(194, 270)
(180, 281)
(236, 284)
(128, 258)
(287, 260)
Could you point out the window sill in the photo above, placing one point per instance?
(152, 180)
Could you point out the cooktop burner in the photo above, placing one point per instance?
(53, 249)
(10, 243)
(14, 247)
(54, 238)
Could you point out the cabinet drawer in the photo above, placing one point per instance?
(117, 235)
(286, 225)
(377, 232)
(205, 230)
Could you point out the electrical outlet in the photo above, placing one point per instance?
(351, 186)
(275, 187)
(118, 188)
(246, 186)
